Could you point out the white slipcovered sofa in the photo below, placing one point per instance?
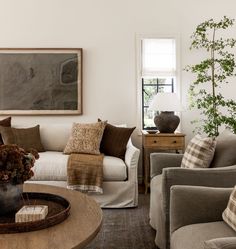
(120, 186)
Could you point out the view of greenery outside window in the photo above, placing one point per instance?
(158, 74)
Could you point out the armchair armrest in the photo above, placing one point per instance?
(211, 177)
(192, 204)
(221, 243)
(159, 161)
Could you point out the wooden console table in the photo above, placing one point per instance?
(159, 142)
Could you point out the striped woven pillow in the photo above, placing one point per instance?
(229, 215)
(199, 152)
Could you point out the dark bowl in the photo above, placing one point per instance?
(151, 131)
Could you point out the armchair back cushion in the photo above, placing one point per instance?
(218, 177)
(225, 150)
(196, 204)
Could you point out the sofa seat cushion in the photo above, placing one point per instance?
(193, 236)
(52, 166)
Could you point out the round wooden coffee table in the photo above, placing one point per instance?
(76, 231)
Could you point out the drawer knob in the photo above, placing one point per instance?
(154, 141)
(175, 142)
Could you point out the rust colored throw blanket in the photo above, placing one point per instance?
(85, 172)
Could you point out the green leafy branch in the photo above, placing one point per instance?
(212, 72)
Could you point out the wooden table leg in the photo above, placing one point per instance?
(146, 169)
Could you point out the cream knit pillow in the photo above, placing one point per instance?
(199, 152)
(85, 138)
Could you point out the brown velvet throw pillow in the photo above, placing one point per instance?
(6, 123)
(114, 140)
(25, 138)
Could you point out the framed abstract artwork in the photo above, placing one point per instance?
(40, 81)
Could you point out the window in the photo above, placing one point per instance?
(151, 86)
(158, 73)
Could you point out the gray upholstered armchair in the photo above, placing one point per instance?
(166, 172)
(196, 218)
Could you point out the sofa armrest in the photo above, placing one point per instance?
(131, 155)
(159, 161)
(194, 204)
(221, 243)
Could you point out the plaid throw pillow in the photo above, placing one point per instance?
(229, 215)
(199, 153)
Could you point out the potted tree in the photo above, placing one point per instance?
(211, 73)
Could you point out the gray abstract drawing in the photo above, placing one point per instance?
(39, 81)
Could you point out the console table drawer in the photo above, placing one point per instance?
(163, 142)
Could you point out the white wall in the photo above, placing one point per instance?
(106, 29)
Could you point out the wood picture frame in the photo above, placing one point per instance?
(41, 81)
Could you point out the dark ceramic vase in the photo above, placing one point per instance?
(166, 122)
(10, 196)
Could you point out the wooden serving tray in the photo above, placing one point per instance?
(58, 211)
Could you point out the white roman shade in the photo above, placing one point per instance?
(159, 57)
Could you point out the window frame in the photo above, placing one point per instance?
(157, 85)
(139, 38)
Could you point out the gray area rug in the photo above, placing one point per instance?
(126, 228)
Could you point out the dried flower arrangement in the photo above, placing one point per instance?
(16, 164)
